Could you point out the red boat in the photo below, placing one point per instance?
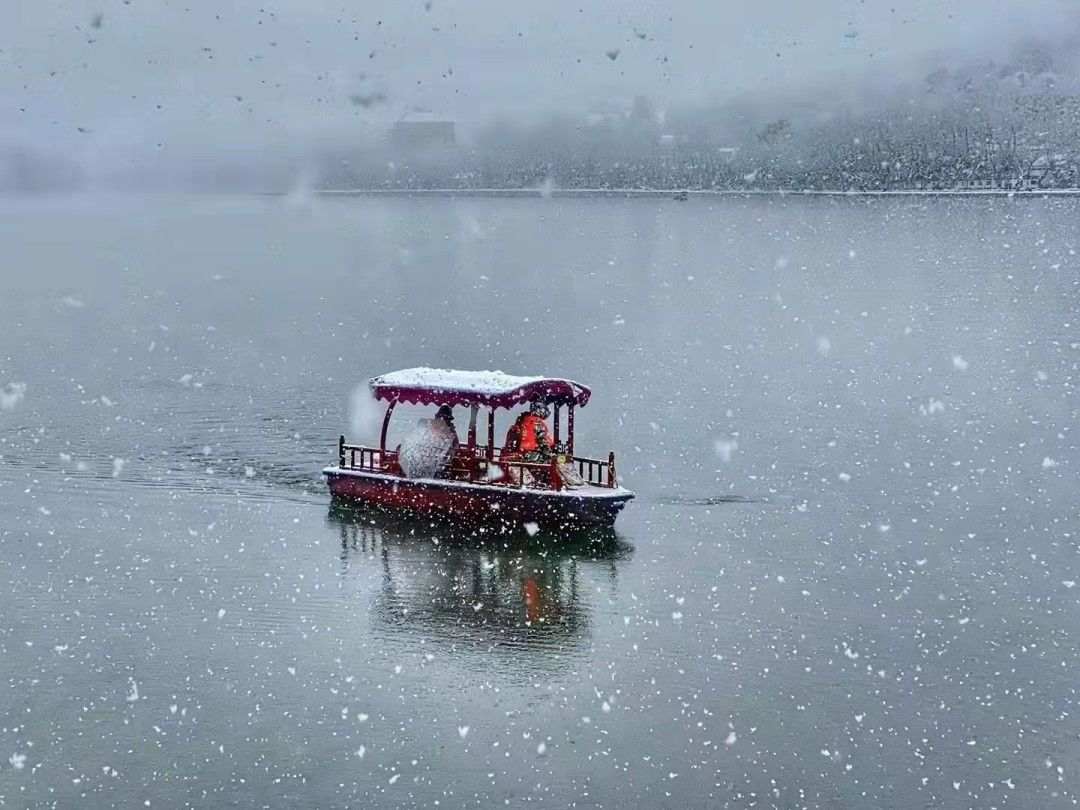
(482, 481)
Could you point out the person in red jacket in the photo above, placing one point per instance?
(536, 442)
(529, 440)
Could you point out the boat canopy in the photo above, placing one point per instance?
(440, 386)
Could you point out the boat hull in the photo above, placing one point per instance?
(479, 503)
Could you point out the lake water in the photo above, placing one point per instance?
(847, 579)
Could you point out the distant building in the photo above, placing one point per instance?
(25, 169)
(421, 130)
(609, 113)
(616, 112)
(644, 111)
(1041, 172)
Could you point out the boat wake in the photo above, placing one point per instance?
(711, 500)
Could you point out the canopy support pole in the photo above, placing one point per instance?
(558, 409)
(472, 426)
(491, 434)
(570, 428)
(386, 424)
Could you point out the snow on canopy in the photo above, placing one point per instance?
(441, 386)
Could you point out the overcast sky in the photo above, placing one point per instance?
(190, 72)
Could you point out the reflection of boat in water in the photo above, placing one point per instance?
(473, 589)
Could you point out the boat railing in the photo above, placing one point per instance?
(595, 471)
(368, 459)
(476, 467)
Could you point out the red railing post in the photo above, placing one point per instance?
(341, 451)
(553, 474)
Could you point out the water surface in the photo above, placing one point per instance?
(847, 580)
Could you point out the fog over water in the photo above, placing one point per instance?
(259, 95)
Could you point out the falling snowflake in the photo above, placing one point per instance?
(11, 395)
(725, 448)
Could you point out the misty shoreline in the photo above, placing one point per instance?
(669, 193)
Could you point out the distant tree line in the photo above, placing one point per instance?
(1014, 125)
(1024, 142)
